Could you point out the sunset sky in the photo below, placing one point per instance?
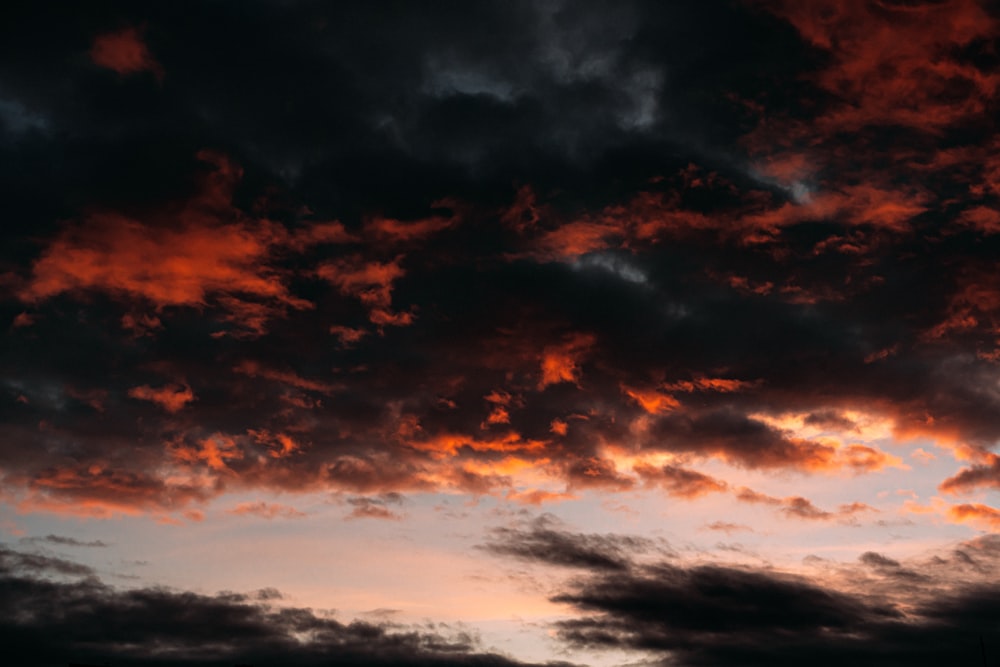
(500, 333)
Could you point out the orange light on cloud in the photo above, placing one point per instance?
(977, 514)
(214, 451)
(896, 64)
(205, 252)
(450, 444)
(560, 363)
(652, 401)
(99, 491)
(124, 52)
(265, 510)
(171, 398)
(371, 282)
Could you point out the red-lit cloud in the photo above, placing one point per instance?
(561, 362)
(171, 398)
(896, 63)
(125, 52)
(976, 513)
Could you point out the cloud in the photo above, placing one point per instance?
(266, 510)
(977, 476)
(125, 52)
(171, 398)
(44, 621)
(727, 527)
(375, 508)
(976, 513)
(802, 508)
(680, 482)
(102, 492)
(690, 613)
(12, 561)
(205, 250)
(544, 541)
(560, 362)
(742, 440)
(575, 217)
(63, 541)
(898, 63)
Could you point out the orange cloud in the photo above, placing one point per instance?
(861, 204)
(680, 482)
(208, 253)
(651, 401)
(214, 451)
(99, 491)
(722, 385)
(390, 230)
(124, 52)
(169, 267)
(171, 398)
(862, 458)
(976, 513)
(896, 64)
(537, 497)
(348, 335)
(371, 282)
(560, 362)
(279, 445)
(266, 510)
(975, 305)
(450, 444)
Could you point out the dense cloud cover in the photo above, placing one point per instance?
(519, 250)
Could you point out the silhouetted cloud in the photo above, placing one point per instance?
(543, 541)
(63, 541)
(716, 614)
(45, 621)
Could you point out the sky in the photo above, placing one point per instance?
(500, 333)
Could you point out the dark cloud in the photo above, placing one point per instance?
(980, 475)
(48, 622)
(38, 564)
(714, 615)
(376, 507)
(918, 612)
(302, 253)
(681, 482)
(63, 541)
(544, 541)
(878, 560)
